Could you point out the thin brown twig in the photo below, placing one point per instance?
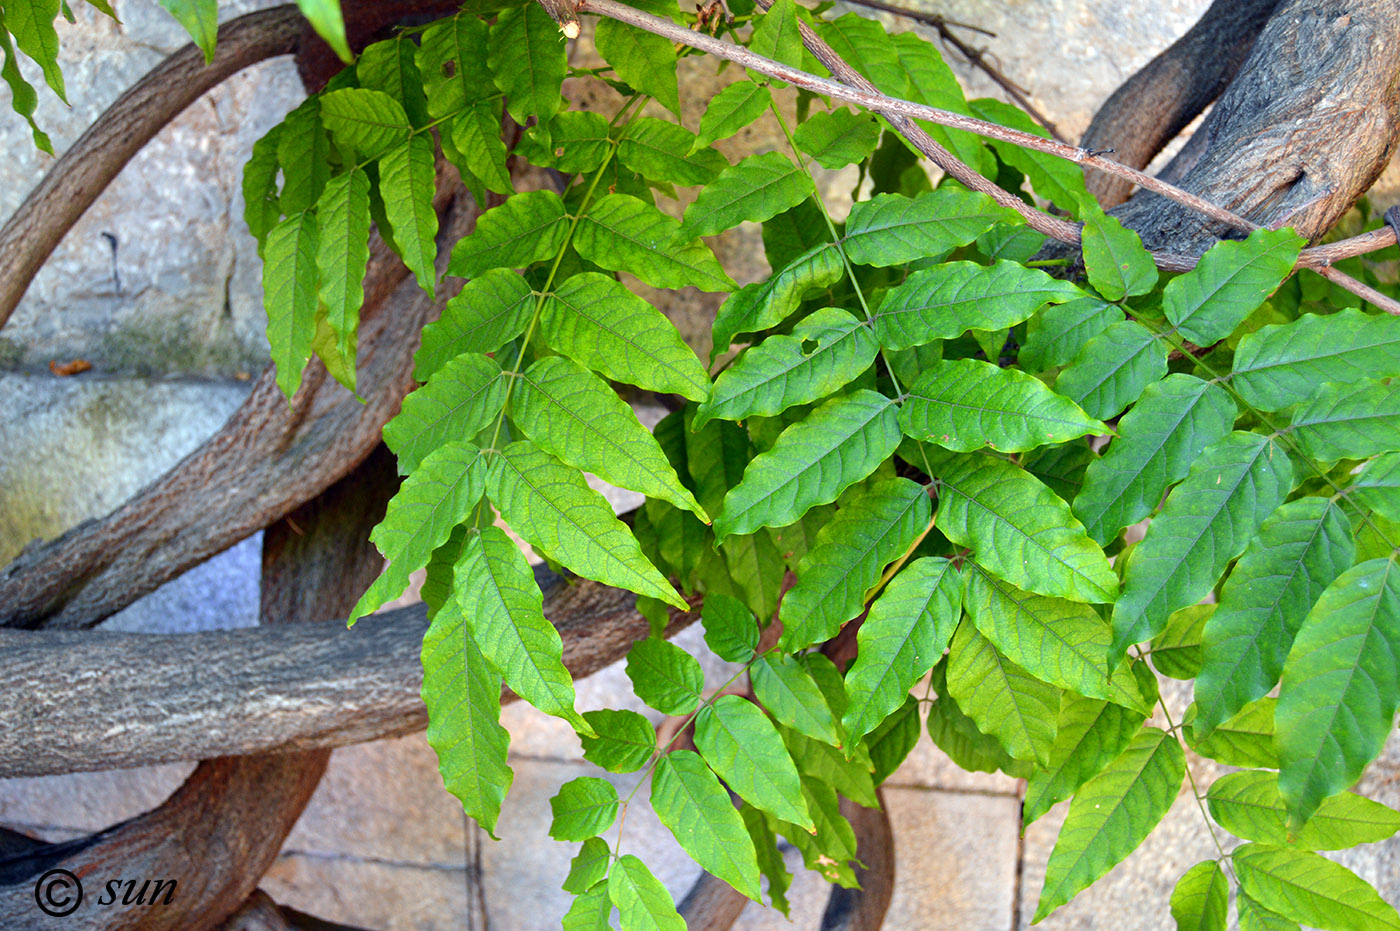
(975, 57)
(902, 112)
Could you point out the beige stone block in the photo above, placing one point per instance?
(377, 894)
(67, 806)
(384, 801)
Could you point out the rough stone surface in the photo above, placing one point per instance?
(185, 293)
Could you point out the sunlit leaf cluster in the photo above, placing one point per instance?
(910, 425)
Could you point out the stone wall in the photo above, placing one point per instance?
(171, 320)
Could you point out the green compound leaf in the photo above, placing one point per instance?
(588, 867)
(437, 581)
(781, 372)
(28, 21)
(744, 748)
(1176, 651)
(1255, 917)
(755, 567)
(813, 461)
(391, 66)
(766, 303)
(838, 138)
(527, 228)
(1002, 699)
(478, 150)
(1378, 486)
(776, 36)
(1157, 441)
(729, 111)
(303, 150)
(1117, 264)
(1340, 687)
(1114, 369)
(463, 695)
(730, 628)
(1091, 734)
(864, 45)
(829, 848)
(623, 743)
(658, 151)
(1060, 467)
(932, 82)
(947, 300)
(642, 60)
(325, 18)
(689, 799)
(342, 254)
(907, 630)
(1111, 815)
(406, 183)
(967, 404)
(770, 858)
(1201, 899)
(1228, 283)
(489, 312)
(1247, 739)
(641, 899)
(1311, 889)
(791, 696)
(578, 141)
(953, 732)
(572, 413)
(622, 233)
(24, 100)
(1056, 179)
(583, 808)
(1057, 641)
(289, 289)
(1348, 421)
(894, 739)
(551, 506)
(1278, 366)
(592, 911)
(1058, 333)
(261, 205)
(449, 60)
(664, 676)
(496, 590)
(1207, 521)
(527, 61)
(437, 497)
(460, 400)
(1020, 530)
(595, 320)
(1300, 550)
(867, 534)
(1248, 805)
(368, 121)
(758, 188)
(891, 229)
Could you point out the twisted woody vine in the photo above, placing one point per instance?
(912, 428)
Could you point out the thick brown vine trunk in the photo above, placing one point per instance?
(1153, 106)
(1301, 133)
(221, 830)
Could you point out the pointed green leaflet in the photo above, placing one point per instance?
(814, 460)
(1300, 550)
(947, 300)
(869, 532)
(551, 506)
(1207, 520)
(1111, 815)
(1340, 687)
(689, 799)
